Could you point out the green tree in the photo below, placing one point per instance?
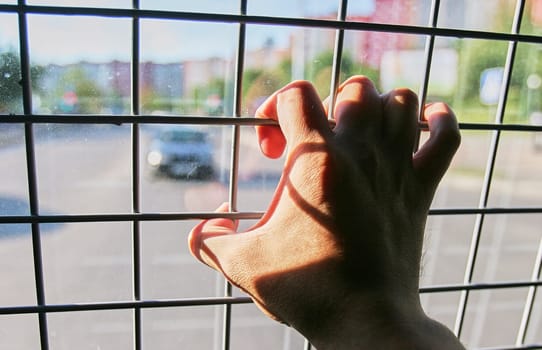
(321, 70)
(10, 78)
(89, 95)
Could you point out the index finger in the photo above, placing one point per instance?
(298, 110)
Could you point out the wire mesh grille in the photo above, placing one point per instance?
(432, 32)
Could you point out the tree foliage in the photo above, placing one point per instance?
(10, 82)
(89, 97)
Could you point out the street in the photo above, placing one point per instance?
(87, 170)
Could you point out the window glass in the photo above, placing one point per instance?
(508, 248)
(446, 249)
(169, 271)
(465, 14)
(106, 329)
(184, 176)
(212, 6)
(532, 18)
(524, 104)
(85, 3)
(408, 12)
(518, 171)
(16, 257)
(462, 184)
(183, 328)
(391, 60)
(83, 168)
(19, 332)
(250, 329)
(534, 333)
(472, 81)
(10, 66)
(16, 265)
(326, 9)
(492, 317)
(85, 69)
(181, 76)
(87, 262)
(278, 55)
(14, 184)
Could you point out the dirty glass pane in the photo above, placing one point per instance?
(467, 74)
(524, 104)
(492, 317)
(169, 271)
(83, 64)
(518, 170)
(213, 6)
(494, 16)
(87, 262)
(10, 66)
(86, 3)
(181, 76)
(83, 168)
(326, 9)
(19, 332)
(108, 329)
(184, 168)
(407, 12)
(532, 18)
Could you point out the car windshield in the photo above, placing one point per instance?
(182, 136)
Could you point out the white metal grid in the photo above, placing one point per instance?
(136, 216)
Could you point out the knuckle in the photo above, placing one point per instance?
(360, 79)
(406, 97)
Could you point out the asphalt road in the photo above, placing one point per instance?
(90, 172)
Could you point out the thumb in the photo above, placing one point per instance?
(202, 234)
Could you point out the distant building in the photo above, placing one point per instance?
(163, 79)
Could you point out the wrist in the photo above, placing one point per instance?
(383, 322)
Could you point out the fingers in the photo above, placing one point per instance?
(400, 121)
(300, 114)
(434, 157)
(358, 105)
(202, 234)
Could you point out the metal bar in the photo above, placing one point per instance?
(429, 46)
(242, 215)
(136, 188)
(529, 303)
(479, 286)
(275, 21)
(32, 174)
(337, 58)
(234, 163)
(122, 305)
(210, 301)
(484, 196)
(225, 120)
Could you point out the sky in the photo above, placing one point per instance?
(68, 39)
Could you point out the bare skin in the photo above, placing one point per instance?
(337, 253)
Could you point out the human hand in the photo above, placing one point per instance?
(339, 247)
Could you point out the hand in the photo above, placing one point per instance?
(337, 253)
